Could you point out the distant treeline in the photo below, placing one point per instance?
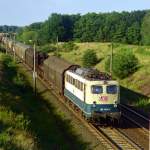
(7, 29)
(125, 27)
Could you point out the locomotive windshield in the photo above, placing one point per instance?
(111, 89)
(97, 89)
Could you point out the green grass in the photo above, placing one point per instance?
(14, 131)
(29, 122)
(144, 103)
(138, 83)
(14, 126)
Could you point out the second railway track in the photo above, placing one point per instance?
(134, 117)
(120, 140)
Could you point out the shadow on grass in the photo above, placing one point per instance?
(130, 97)
(50, 129)
(99, 60)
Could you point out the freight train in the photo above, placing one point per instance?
(94, 93)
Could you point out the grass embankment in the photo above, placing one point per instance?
(135, 88)
(28, 122)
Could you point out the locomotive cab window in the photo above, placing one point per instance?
(95, 89)
(111, 89)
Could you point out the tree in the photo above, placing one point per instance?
(119, 33)
(68, 22)
(124, 63)
(35, 26)
(133, 34)
(145, 31)
(29, 35)
(124, 27)
(89, 58)
(55, 27)
(7, 29)
(86, 27)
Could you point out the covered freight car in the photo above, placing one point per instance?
(20, 50)
(54, 69)
(10, 44)
(1, 36)
(5, 41)
(39, 57)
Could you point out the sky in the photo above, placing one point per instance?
(25, 12)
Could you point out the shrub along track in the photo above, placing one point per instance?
(14, 133)
(1, 70)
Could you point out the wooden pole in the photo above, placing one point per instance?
(111, 59)
(14, 48)
(34, 72)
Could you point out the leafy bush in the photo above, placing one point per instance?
(14, 130)
(145, 32)
(57, 54)
(13, 120)
(2, 49)
(19, 80)
(144, 104)
(69, 46)
(4, 138)
(89, 58)
(48, 48)
(124, 63)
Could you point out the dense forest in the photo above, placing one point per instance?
(125, 27)
(6, 29)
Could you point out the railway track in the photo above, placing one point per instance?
(134, 117)
(119, 139)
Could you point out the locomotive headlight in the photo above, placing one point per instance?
(115, 104)
(94, 104)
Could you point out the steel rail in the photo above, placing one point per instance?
(134, 121)
(129, 109)
(122, 141)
